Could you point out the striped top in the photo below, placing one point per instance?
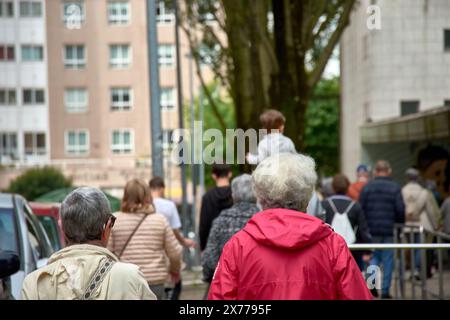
(153, 247)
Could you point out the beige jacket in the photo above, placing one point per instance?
(153, 247)
(68, 271)
(420, 206)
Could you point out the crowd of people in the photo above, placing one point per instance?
(274, 234)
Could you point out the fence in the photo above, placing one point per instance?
(403, 234)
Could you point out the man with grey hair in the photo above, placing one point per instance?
(283, 253)
(85, 269)
(229, 222)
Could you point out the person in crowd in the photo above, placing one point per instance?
(85, 269)
(382, 202)
(215, 200)
(362, 177)
(274, 142)
(421, 209)
(283, 253)
(229, 222)
(351, 222)
(445, 209)
(144, 237)
(168, 209)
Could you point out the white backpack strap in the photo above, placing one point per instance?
(333, 207)
(350, 206)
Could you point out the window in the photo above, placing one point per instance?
(447, 40)
(409, 107)
(6, 9)
(73, 14)
(164, 14)
(121, 99)
(6, 52)
(119, 55)
(33, 96)
(8, 145)
(8, 230)
(7, 97)
(34, 143)
(122, 141)
(167, 138)
(167, 100)
(166, 55)
(74, 57)
(118, 12)
(30, 9)
(77, 142)
(447, 103)
(32, 53)
(76, 100)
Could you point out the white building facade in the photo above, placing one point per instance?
(24, 125)
(394, 72)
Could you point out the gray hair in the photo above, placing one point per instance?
(83, 214)
(285, 181)
(242, 189)
(412, 174)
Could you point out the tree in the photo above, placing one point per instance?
(268, 53)
(38, 181)
(322, 127)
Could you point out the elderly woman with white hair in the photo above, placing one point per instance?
(229, 222)
(283, 253)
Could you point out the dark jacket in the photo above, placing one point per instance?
(382, 202)
(223, 228)
(355, 215)
(213, 202)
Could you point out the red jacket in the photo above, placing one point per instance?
(285, 255)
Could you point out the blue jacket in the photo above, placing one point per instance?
(382, 203)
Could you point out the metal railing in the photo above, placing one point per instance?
(404, 239)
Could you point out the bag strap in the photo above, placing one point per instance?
(132, 234)
(335, 210)
(97, 278)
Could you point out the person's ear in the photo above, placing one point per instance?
(106, 232)
(230, 174)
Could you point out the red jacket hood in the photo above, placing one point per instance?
(286, 229)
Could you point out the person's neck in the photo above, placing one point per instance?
(222, 183)
(96, 243)
(156, 195)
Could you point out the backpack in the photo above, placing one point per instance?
(341, 223)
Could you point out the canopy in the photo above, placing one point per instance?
(58, 195)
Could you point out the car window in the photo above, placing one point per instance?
(38, 238)
(51, 227)
(8, 231)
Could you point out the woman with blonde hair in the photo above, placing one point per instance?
(143, 237)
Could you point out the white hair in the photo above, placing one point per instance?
(285, 181)
(242, 189)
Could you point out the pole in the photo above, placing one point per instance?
(184, 207)
(155, 110)
(202, 164)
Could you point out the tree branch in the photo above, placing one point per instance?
(316, 74)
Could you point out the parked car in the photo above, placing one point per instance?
(22, 233)
(9, 264)
(48, 215)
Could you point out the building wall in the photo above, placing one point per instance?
(17, 75)
(405, 60)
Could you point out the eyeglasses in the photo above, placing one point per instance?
(113, 220)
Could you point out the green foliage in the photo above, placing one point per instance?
(38, 181)
(226, 109)
(322, 127)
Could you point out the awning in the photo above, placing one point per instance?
(425, 125)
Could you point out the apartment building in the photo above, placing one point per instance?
(24, 125)
(99, 104)
(395, 86)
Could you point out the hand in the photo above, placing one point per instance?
(189, 243)
(366, 257)
(175, 277)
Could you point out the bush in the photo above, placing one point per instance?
(36, 182)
